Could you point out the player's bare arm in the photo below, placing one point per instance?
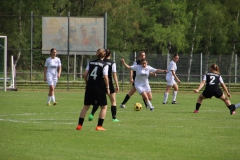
(199, 87)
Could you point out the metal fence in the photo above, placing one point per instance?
(77, 64)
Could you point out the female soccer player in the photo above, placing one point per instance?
(97, 85)
(212, 79)
(52, 71)
(112, 71)
(141, 56)
(170, 78)
(141, 80)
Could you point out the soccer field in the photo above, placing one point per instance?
(30, 130)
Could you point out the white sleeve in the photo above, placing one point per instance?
(114, 69)
(204, 77)
(134, 67)
(105, 70)
(151, 69)
(46, 63)
(172, 66)
(221, 80)
(87, 68)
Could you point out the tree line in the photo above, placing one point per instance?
(189, 27)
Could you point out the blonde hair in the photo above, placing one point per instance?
(215, 68)
(101, 53)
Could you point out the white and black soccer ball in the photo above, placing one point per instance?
(137, 106)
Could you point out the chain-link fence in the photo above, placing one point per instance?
(73, 66)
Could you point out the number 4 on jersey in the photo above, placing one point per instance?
(94, 73)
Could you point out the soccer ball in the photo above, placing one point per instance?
(137, 106)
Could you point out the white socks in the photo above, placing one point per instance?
(174, 95)
(149, 104)
(237, 105)
(51, 98)
(165, 97)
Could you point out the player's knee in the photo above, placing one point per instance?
(225, 99)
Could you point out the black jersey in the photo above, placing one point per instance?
(95, 72)
(212, 86)
(212, 80)
(109, 63)
(134, 72)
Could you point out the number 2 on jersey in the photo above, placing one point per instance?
(94, 73)
(212, 82)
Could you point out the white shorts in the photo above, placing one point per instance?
(170, 81)
(52, 81)
(143, 88)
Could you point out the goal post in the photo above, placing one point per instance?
(3, 66)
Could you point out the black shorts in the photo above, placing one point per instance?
(209, 92)
(95, 95)
(111, 88)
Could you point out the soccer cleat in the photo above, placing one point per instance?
(115, 120)
(79, 127)
(90, 118)
(122, 106)
(232, 109)
(48, 104)
(100, 128)
(55, 103)
(164, 102)
(174, 102)
(234, 112)
(195, 111)
(152, 108)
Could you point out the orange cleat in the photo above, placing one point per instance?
(195, 111)
(79, 127)
(100, 128)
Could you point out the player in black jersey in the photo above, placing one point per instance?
(212, 80)
(97, 85)
(141, 56)
(112, 71)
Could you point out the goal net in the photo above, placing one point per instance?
(7, 78)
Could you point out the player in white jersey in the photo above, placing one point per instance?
(170, 78)
(141, 81)
(52, 71)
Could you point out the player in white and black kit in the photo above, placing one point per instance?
(52, 71)
(212, 80)
(141, 81)
(112, 74)
(141, 56)
(170, 78)
(97, 85)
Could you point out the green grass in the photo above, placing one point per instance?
(30, 130)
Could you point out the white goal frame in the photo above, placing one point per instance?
(5, 78)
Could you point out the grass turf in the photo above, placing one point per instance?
(31, 130)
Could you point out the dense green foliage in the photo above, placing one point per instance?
(210, 27)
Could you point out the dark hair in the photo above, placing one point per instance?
(52, 50)
(141, 53)
(144, 59)
(175, 55)
(108, 53)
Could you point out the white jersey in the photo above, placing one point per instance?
(142, 74)
(172, 66)
(52, 66)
